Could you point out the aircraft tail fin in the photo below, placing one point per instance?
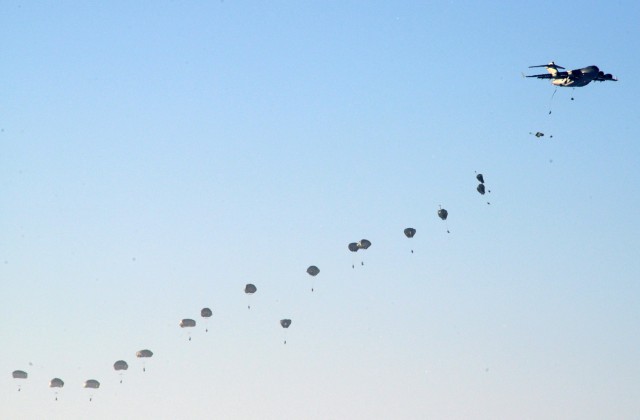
(552, 68)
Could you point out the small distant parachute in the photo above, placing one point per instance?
(120, 366)
(539, 134)
(409, 232)
(187, 323)
(142, 354)
(250, 289)
(355, 246)
(91, 383)
(443, 214)
(19, 374)
(206, 313)
(313, 271)
(56, 383)
(481, 188)
(285, 324)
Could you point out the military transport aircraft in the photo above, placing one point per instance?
(572, 78)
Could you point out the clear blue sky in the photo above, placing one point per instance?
(155, 158)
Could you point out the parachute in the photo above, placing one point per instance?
(539, 134)
(187, 323)
(56, 383)
(355, 246)
(285, 324)
(206, 313)
(19, 374)
(363, 244)
(481, 188)
(410, 233)
(250, 289)
(313, 271)
(144, 354)
(120, 366)
(443, 214)
(92, 384)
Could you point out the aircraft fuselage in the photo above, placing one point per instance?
(576, 78)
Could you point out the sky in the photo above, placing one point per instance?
(156, 158)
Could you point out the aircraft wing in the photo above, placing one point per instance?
(558, 75)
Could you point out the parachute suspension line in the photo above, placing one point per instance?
(550, 100)
(572, 90)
